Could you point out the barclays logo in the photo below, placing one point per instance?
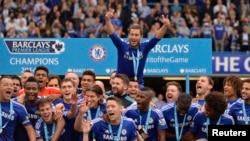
(34, 46)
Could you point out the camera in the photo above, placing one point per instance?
(143, 133)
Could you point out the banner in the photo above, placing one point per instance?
(231, 63)
(168, 57)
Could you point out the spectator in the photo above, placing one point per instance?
(183, 30)
(219, 34)
(244, 40)
(175, 7)
(195, 30)
(144, 10)
(40, 6)
(233, 40)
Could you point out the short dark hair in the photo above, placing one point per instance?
(17, 78)
(6, 76)
(124, 78)
(68, 80)
(89, 72)
(217, 101)
(135, 26)
(31, 79)
(114, 98)
(53, 76)
(246, 80)
(148, 90)
(42, 68)
(175, 83)
(185, 99)
(132, 79)
(43, 101)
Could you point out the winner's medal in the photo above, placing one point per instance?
(1, 130)
(135, 78)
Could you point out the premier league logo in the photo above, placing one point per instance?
(97, 52)
(35, 46)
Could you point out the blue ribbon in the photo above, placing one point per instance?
(46, 130)
(176, 123)
(9, 116)
(118, 136)
(136, 62)
(244, 113)
(147, 120)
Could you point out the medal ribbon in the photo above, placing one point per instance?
(244, 112)
(147, 120)
(11, 112)
(136, 62)
(176, 124)
(96, 115)
(208, 123)
(46, 130)
(118, 136)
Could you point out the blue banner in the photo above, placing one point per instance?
(168, 57)
(231, 63)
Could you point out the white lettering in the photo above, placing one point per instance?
(162, 59)
(234, 64)
(195, 70)
(179, 48)
(247, 64)
(157, 70)
(219, 63)
(34, 61)
(33, 44)
(227, 64)
(216, 132)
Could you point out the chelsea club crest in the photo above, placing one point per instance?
(97, 52)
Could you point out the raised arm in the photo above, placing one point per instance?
(73, 108)
(109, 27)
(86, 127)
(166, 24)
(79, 118)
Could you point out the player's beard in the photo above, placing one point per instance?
(118, 93)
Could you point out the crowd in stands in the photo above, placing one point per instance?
(227, 22)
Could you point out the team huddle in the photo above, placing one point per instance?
(126, 113)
